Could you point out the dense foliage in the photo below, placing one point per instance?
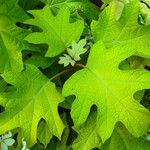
(74, 74)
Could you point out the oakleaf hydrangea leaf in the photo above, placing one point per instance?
(6, 140)
(87, 136)
(103, 84)
(125, 31)
(10, 54)
(66, 60)
(74, 53)
(34, 95)
(77, 49)
(57, 32)
(11, 36)
(10, 9)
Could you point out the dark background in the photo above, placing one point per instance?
(97, 2)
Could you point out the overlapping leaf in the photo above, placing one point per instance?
(122, 140)
(44, 134)
(103, 84)
(87, 135)
(57, 32)
(35, 98)
(85, 7)
(125, 31)
(10, 36)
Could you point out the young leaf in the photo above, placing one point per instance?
(102, 83)
(4, 146)
(77, 49)
(6, 140)
(74, 52)
(126, 31)
(66, 60)
(36, 96)
(57, 32)
(24, 143)
(9, 142)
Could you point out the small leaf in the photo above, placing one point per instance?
(7, 135)
(24, 145)
(4, 146)
(66, 60)
(74, 53)
(9, 141)
(77, 49)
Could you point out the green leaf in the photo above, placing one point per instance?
(2, 85)
(103, 84)
(61, 145)
(66, 60)
(67, 102)
(88, 9)
(87, 134)
(10, 53)
(77, 49)
(4, 146)
(7, 135)
(145, 13)
(147, 2)
(126, 31)
(11, 11)
(138, 62)
(44, 135)
(74, 53)
(36, 96)
(11, 36)
(57, 32)
(121, 139)
(40, 61)
(9, 141)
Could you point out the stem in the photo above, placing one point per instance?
(67, 70)
(61, 73)
(80, 65)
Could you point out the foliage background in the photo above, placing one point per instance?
(42, 102)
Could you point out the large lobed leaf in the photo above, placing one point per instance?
(57, 31)
(35, 98)
(11, 37)
(103, 84)
(125, 31)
